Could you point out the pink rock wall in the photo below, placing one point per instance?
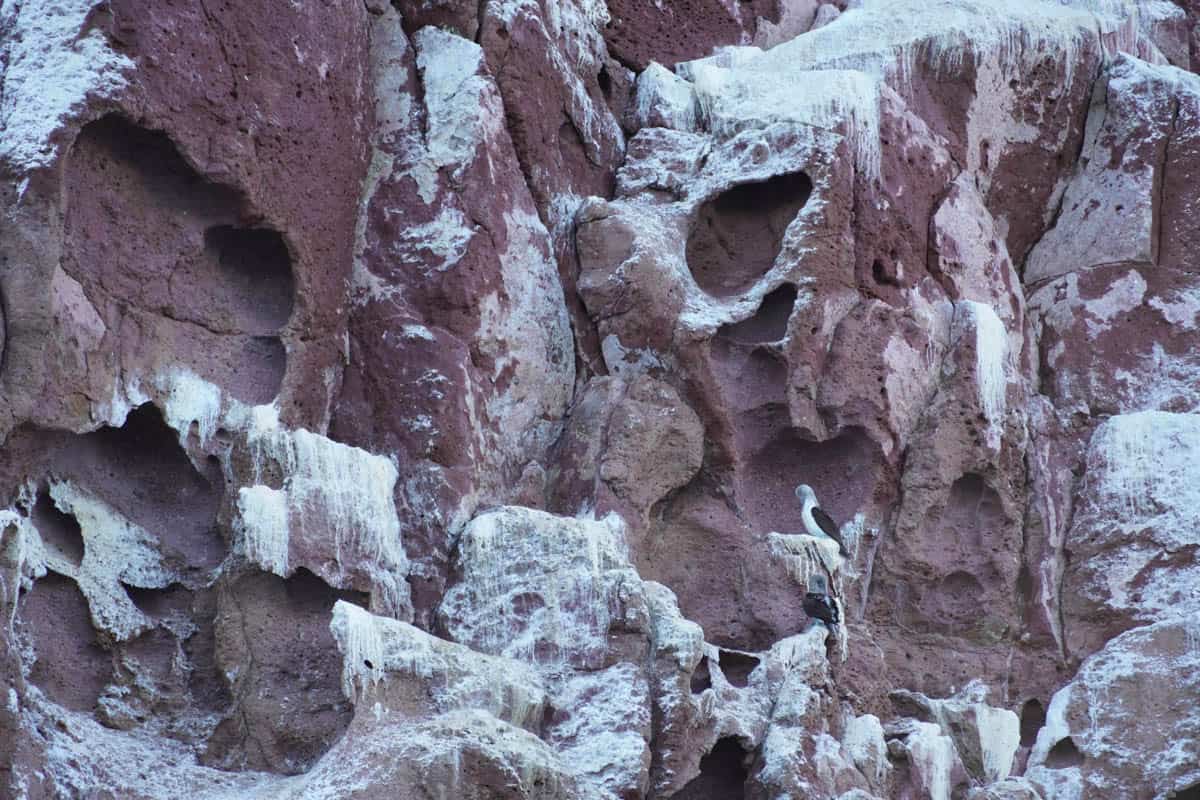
(409, 399)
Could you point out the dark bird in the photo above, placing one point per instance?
(816, 522)
(819, 604)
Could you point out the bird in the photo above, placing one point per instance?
(818, 604)
(816, 522)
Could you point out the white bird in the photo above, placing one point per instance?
(816, 522)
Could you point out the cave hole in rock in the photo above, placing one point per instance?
(1187, 793)
(1064, 755)
(768, 323)
(701, 677)
(71, 667)
(723, 774)
(972, 523)
(737, 667)
(273, 637)
(160, 603)
(256, 286)
(1033, 717)
(143, 473)
(605, 82)
(737, 234)
(884, 274)
(184, 257)
(842, 471)
(59, 531)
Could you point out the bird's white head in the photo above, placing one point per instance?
(804, 493)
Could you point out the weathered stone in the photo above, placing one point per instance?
(375, 303)
(1127, 722)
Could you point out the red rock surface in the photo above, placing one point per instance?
(409, 399)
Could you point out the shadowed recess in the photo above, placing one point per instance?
(737, 235)
(723, 774)
(1187, 793)
(254, 274)
(59, 532)
(151, 239)
(1033, 717)
(768, 323)
(701, 678)
(142, 472)
(1064, 755)
(71, 667)
(843, 472)
(284, 670)
(737, 667)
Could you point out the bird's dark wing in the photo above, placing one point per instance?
(825, 523)
(822, 607)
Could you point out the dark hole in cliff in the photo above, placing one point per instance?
(723, 774)
(701, 678)
(138, 161)
(71, 667)
(883, 274)
(737, 667)
(59, 531)
(145, 229)
(737, 235)
(141, 470)
(605, 81)
(972, 525)
(1033, 717)
(159, 603)
(292, 709)
(1064, 754)
(769, 322)
(1187, 793)
(842, 471)
(255, 286)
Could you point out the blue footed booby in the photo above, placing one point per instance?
(816, 522)
(819, 604)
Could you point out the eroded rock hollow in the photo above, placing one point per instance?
(420, 399)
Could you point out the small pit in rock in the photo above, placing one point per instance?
(842, 471)
(272, 637)
(769, 322)
(1187, 793)
(255, 285)
(141, 470)
(60, 532)
(71, 667)
(1064, 755)
(723, 774)
(737, 667)
(738, 233)
(1033, 717)
(162, 251)
(701, 678)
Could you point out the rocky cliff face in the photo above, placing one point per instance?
(406, 400)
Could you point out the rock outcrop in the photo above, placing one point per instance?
(408, 399)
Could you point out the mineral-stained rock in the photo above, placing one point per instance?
(408, 398)
(1133, 539)
(637, 33)
(1126, 724)
(985, 737)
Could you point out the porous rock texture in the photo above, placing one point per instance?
(407, 399)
